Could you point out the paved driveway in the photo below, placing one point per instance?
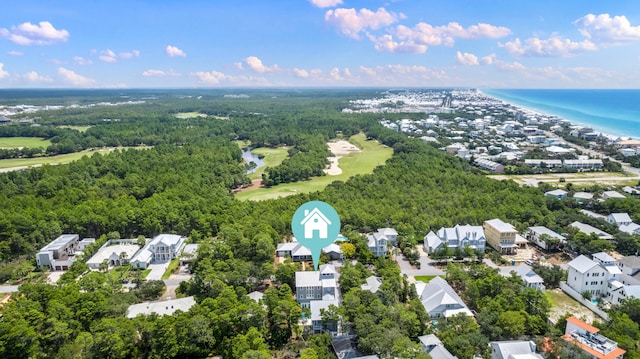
(8, 288)
(157, 270)
(426, 266)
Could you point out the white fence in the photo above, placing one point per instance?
(587, 303)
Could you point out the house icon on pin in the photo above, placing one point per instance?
(315, 221)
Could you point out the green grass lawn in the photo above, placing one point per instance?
(17, 142)
(52, 160)
(77, 128)
(373, 154)
(424, 278)
(272, 158)
(173, 265)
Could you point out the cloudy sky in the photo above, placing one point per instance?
(321, 43)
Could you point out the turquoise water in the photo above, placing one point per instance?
(613, 112)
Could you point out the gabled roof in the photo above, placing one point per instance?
(255, 295)
(556, 192)
(433, 240)
(582, 264)
(167, 239)
(372, 284)
(437, 293)
(327, 269)
(587, 229)
(629, 228)
(540, 230)
(388, 231)
(583, 195)
(632, 291)
(166, 307)
(143, 256)
(630, 261)
(613, 194)
(620, 217)
(527, 274)
(603, 257)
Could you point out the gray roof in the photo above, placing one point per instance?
(388, 231)
(603, 257)
(513, 349)
(308, 279)
(255, 295)
(60, 242)
(582, 264)
(317, 305)
(166, 307)
(434, 347)
(527, 274)
(632, 291)
(585, 228)
(433, 240)
(630, 261)
(620, 217)
(540, 230)
(629, 228)
(167, 239)
(613, 194)
(556, 192)
(437, 293)
(592, 214)
(372, 284)
(583, 195)
(190, 249)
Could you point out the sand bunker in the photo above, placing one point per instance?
(339, 149)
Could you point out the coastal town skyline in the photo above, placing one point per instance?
(320, 43)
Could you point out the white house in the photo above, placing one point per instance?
(537, 235)
(512, 349)
(459, 236)
(316, 285)
(372, 284)
(115, 253)
(632, 228)
(434, 347)
(380, 241)
(162, 248)
(612, 194)
(161, 308)
(593, 275)
(440, 300)
(315, 221)
(317, 324)
(619, 219)
(299, 253)
(530, 278)
(59, 254)
(587, 229)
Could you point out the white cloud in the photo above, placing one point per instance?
(35, 77)
(128, 55)
(15, 53)
(422, 35)
(325, 3)
(606, 29)
(302, 73)
(216, 78)
(3, 73)
(79, 60)
(402, 74)
(173, 51)
(467, 59)
(488, 60)
(108, 56)
(42, 33)
(211, 78)
(159, 73)
(555, 46)
(256, 65)
(508, 66)
(73, 78)
(351, 22)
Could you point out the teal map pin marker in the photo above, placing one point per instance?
(315, 225)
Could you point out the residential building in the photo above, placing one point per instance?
(619, 219)
(537, 234)
(501, 236)
(514, 349)
(256, 296)
(317, 324)
(166, 307)
(114, 253)
(295, 250)
(59, 254)
(593, 214)
(593, 275)
(632, 228)
(489, 165)
(582, 196)
(557, 193)
(583, 164)
(372, 284)
(440, 300)
(316, 285)
(530, 278)
(390, 233)
(379, 242)
(619, 292)
(543, 163)
(590, 342)
(587, 229)
(612, 194)
(459, 236)
(630, 190)
(162, 248)
(189, 254)
(434, 347)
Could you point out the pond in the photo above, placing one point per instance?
(249, 157)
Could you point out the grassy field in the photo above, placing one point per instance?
(173, 266)
(18, 142)
(373, 154)
(77, 128)
(562, 304)
(189, 114)
(52, 160)
(272, 158)
(424, 278)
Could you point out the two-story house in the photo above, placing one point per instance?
(316, 285)
(380, 241)
(619, 219)
(593, 275)
(459, 236)
(59, 254)
(440, 300)
(162, 248)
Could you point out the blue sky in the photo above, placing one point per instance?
(320, 43)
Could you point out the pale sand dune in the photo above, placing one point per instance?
(339, 149)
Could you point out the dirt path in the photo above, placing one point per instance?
(256, 183)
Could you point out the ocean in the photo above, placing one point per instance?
(611, 112)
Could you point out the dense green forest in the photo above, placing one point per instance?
(183, 184)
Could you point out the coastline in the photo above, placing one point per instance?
(606, 132)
